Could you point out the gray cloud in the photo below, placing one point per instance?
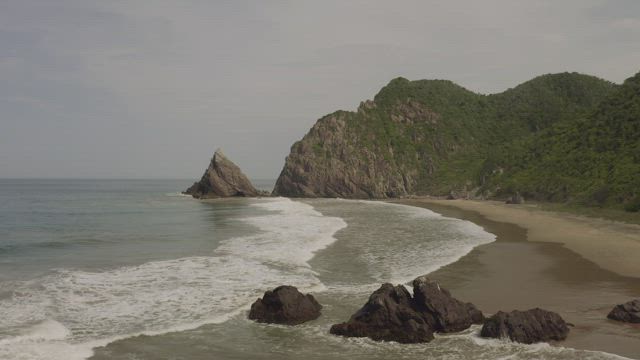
(151, 88)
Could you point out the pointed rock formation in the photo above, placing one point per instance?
(444, 312)
(222, 178)
(388, 315)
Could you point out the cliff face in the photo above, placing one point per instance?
(429, 137)
(332, 160)
(222, 178)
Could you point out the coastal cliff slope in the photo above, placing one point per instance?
(222, 178)
(430, 137)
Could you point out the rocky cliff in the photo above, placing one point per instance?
(429, 137)
(340, 157)
(222, 178)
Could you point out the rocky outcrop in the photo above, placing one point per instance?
(627, 312)
(388, 315)
(331, 161)
(222, 178)
(444, 312)
(392, 314)
(528, 327)
(285, 305)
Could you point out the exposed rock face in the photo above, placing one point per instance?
(627, 312)
(222, 178)
(330, 162)
(285, 305)
(528, 327)
(444, 312)
(387, 316)
(391, 314)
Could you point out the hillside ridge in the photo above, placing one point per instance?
(436, 137)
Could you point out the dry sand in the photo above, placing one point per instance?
(613, 246)
(579, 267)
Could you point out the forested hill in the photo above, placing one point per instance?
(434, 137)
(593, 159)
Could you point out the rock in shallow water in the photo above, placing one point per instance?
(285, 305)
(528, 327)
(391, 314)
(387, 316)
(444, 312)
(627, 312)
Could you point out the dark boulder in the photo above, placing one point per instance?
(285, 305)
(444, 312)
(387, 316)
(528, 327)
(392, 314)
(516, 199)
(627, 312)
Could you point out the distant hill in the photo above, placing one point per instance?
(435, 137)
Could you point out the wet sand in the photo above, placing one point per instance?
(523, 269)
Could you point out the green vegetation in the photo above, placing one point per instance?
(590, 159)
(474, 134)
(562, 138)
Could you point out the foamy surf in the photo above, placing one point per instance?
(400, 242)
(179, 194)
(451, 239)
(65, 315)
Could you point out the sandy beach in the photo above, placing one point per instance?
(579, 267)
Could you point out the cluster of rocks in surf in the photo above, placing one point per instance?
(393, 314)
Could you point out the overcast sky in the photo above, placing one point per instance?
(147, 89)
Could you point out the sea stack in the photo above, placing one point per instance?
(222, 178)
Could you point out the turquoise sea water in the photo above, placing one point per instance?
(87, 266)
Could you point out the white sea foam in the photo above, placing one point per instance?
(409, 246)
(94, 308)
(178, 194)
(464, 345)
(291, 240)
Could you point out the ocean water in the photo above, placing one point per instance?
(131, 269)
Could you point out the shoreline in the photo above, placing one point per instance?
(524, 268)
(612, 245)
